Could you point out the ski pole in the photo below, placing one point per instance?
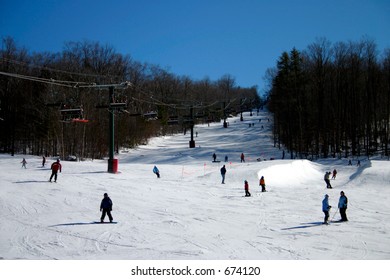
(333, 215)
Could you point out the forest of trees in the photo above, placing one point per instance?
(332, 100)
(46, 98)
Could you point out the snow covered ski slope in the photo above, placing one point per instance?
(187, 213)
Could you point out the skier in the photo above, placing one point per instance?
(242, 157)
(106, 208)
(223, 172)
(325, 208)
(334, 174)
(156, 171)
(327, 181)
(54, 170)
(343, 202)
(246, 187)
(262, 184)
(24, 162)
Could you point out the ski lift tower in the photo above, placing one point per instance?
(113, 106)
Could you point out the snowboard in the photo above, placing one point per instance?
(96, 222)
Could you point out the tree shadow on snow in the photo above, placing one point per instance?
(94, 172)
(305, 225)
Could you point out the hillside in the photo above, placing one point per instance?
(188, 214)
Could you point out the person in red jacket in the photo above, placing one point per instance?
(55, 167)
(242, 157)
(262, 184)
(246, 187)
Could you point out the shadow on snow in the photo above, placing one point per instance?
(305, 225)
(81, 224)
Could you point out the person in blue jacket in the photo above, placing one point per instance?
(325, 208)
(106, 208)
(156, 171)
(343, 202)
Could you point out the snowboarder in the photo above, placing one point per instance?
(223, 172)
(242, 157)
(343, 203)
(43, 161)
(54, 170)
(325, 208)
(156, 171)
(106, 208)
(262, 184)
(327, 181)
(24, 162)
(246, 187)
(334, 174)
(214, 157)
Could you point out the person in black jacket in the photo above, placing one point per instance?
(106, 208)
(223, 172)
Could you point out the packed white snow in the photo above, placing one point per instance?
(187, 213)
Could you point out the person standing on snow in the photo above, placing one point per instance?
(156, 171)
(334, 174)
(223, 172)
(24, 162)
(43, 161)
(262, 184)
(246, 187)
(214, 157)
(106, 208)
(343, 203)
(55, 167)
(242, 157)
(325, 208)
(327, 181)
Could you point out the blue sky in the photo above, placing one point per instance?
(197, 38)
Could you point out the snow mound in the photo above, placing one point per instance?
(290, 172)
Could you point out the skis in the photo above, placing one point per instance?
(337, 222)
(333, 222)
